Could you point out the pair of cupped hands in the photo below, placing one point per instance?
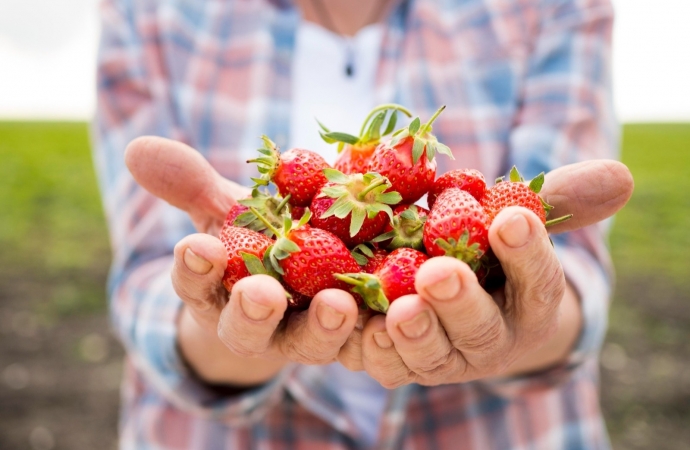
(451, 331)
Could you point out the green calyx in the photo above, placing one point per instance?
(371, 131)
(267, 163)
(362, 253)
(408, 231)
(470, 254)
(423, 139)
(271, 207)
(283, 246)
(369, 287)
(358, 195)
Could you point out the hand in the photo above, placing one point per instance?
(243, 339)
(454, 331)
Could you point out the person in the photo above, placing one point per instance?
(187, 87)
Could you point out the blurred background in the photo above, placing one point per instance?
(60, 366)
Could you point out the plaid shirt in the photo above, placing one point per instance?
(526, 82)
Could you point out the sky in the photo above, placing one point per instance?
(48, 51)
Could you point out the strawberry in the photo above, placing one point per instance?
(236, 210)
(517, 192)
(353, 207)
(297, 172)
(239, 242)
(307, 257)
(369, 259)
(354, 152)
(457, 226)
(406, 228)
(402, 159)
(393, 278)
(296, 212)
(470, 180)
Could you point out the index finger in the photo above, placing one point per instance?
(591, 191)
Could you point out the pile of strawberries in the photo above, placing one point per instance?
(355, 226)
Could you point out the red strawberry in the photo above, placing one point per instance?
(369, 259)
(470, 180)
(239, 241)
(307, 257)
(236, 210)
(296, 212)
(297, 172)
(355, 152)
(457, 226)
(517, 192)
(406, 229)
(353, 207)
(402, 159)
(392, 279)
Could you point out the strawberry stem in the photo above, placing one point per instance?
(427, 126)
(282, 203)
(383, 107)
(558, 220)
(265, 221)
(374, 184)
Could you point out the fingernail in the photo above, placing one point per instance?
(254, 310)
(196, 263)
(329, 317)
(515, 232)
(445, 289)
(383, 340)
(416, 327)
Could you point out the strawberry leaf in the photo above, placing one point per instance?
(389, 198)
(417, 149)
(323, 127)
(385, 236)
(391, 123)
(357, 220)
(365, 250)
(361, 259)
(253, 264)
(514, 175)
(374, 132)
(536, 183)
(335, 176)
(414, 126)
(270, 270)
(305, 218)
(327, 139)
(444, 150)
(341, 137)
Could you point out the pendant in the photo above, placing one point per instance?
(349, 59)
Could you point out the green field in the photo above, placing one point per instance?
(55, 258)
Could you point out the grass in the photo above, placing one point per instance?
(52, 228)
(55, 245)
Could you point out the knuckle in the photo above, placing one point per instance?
(306, 351)
(482, 338)
(438, 367)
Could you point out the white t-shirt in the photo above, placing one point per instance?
(322, 89)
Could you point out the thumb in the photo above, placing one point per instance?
(534, 276)
(197, 276)
(181, 176)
